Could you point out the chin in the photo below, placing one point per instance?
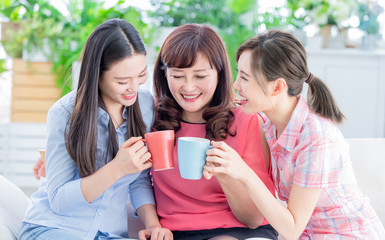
(247, 110)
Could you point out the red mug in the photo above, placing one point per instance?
(161, 146)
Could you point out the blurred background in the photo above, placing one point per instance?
(41, 42)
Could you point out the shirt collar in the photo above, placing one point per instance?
(104, 117)
(289, 136)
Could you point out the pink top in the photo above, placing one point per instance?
(312, 153)
(201, 204)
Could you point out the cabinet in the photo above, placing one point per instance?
(357, 81)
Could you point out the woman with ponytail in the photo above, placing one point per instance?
(310, 160)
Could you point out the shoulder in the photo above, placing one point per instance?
(64, 105)
(145, 98)
(147, 107)
(319, 130)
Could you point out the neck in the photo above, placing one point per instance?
(193, 117)
(281, 112)
(115, 111)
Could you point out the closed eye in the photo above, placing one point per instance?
(177, 77)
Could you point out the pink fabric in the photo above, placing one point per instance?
(201, 204)
(312, 153)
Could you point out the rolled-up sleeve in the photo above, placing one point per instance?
(63, 183)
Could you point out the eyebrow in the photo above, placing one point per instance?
(245, 73)
(122, 78)
(198, 70)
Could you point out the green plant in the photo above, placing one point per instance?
(84, 17)
(37, 21)
(42, 24)
(234, 20)
(368, 14)
(326, 12)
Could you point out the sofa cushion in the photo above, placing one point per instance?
(13, 204)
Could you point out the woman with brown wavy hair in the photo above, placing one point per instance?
(193, 90)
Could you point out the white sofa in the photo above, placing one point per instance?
(368, 156)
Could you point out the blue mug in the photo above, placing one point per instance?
(192, 156)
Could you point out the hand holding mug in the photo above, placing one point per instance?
(222, 159)
(133, 156)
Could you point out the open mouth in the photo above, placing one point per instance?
(129, 96)
(242, 99)
(191, 97)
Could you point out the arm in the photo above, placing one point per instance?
(240, 202)
(66, 190)
(289, 221)
(131, 158)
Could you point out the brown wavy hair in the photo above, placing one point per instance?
(180, 50)
(278, 54)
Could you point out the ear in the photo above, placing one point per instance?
(278, 86)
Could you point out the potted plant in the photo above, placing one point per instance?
(368, 14)
(234, 20)
(327, 14)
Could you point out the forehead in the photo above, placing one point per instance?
(132, 65)
(244, 60)
(201, 63)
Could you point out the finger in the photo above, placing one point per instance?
(141, 151)
(214, 160)
(142, 235)
(162, 234)
(154, 234)
(214, 170)
(36, 173)
(207, 175)
(221, 145)
(131, 141)
(42, 171)
(145, 157)
(215, 151)
(146, 165)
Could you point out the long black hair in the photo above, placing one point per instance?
(110, 42)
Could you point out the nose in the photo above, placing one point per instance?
(189, 85)
(236, 84)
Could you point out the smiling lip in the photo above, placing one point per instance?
(191, 97)
(242, 99)
(129, 96)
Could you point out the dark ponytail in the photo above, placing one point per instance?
(278, 54)
(321, 101)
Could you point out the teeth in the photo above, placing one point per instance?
(191, 96)
(129, 95)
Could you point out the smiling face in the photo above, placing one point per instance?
(193, 87)
(253, 96)
(119, 85)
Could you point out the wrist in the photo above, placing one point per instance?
(115, 170)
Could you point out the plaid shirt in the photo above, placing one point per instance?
(312, 153)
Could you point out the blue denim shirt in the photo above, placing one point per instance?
(59, 201)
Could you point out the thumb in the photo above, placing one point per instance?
(142, 235)
(131, 141)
